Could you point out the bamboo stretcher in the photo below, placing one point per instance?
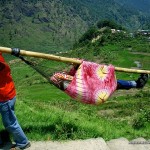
(64, 59)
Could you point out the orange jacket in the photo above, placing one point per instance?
(7, 88)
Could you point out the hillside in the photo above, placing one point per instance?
(37, 25)
(140, 5)
(54, 25)
(47, 113)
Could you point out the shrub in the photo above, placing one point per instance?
(142, 119)
(89, 35)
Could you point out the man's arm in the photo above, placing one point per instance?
(2, 66)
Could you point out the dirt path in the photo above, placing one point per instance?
(90, 144)
(141, 53)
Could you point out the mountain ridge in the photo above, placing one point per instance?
(54, 25)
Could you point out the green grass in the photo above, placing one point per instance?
(46, 113)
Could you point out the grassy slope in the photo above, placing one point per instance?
(51, 26)
(46, 113)
(40, 26)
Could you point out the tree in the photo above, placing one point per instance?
(109, 23)
(89, 35)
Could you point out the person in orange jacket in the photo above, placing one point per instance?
(7, 103)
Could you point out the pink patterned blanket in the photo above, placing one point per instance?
(93, 83)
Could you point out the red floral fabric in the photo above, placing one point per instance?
(93, 83)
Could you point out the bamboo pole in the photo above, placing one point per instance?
(41, 55)
(119, 69)
(65, 59)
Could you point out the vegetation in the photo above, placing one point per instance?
(54, 25)
(110, 24)
(50, 26)
(46, 113)
(89, 35)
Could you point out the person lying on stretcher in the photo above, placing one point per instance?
(63, 79)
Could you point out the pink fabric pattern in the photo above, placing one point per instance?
(93, 83)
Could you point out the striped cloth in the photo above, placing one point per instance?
(93, 83)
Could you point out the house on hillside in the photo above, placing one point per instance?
(144, 32)
(117, 31)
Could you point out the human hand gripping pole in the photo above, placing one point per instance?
(61, 59)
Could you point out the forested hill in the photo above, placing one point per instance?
(141, 5)
(54, 25)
